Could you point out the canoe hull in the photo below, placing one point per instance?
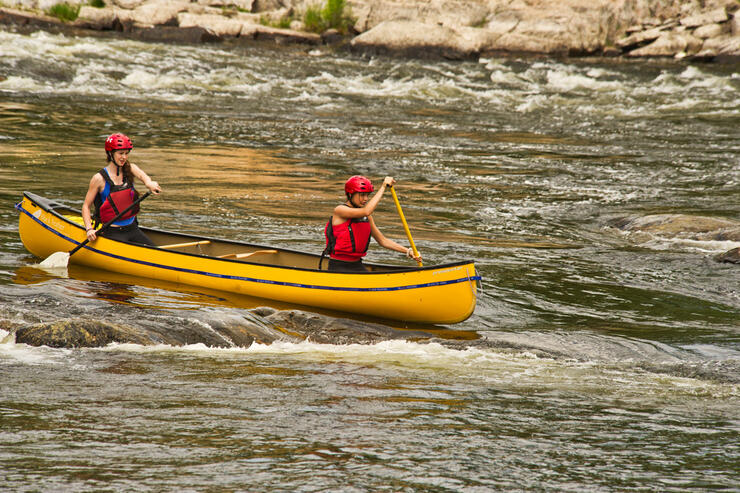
(442, 294)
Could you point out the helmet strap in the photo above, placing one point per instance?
(349, 199)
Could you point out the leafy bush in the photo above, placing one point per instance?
(64, 11)
(312, 19)
(98, 4)
(332, 15)
(282, 23)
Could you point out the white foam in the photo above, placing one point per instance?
(704, 246)
(12, 353)
(17, 84)
(520, 368)
(566, 82)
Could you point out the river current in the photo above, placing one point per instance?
(598, 358)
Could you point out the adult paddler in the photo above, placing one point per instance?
(112, 190)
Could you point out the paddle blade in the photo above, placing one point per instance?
(57, 260)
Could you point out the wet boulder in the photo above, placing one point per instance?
(730, 256)
(329, 330)
(79, 333)
(682, 226)
(685, 227)
(71, 333)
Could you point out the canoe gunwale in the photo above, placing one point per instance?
(50, 206)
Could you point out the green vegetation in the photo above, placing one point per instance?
(64, 12)
(282, 23)
(98, 4)
(232, 10)
(480, 22)
(332, 15)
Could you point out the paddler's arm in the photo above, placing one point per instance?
(353, 212)
(390, 244)
(96, 183)
(148, 182)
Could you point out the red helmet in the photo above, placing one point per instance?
(359, 184)
(116, 142)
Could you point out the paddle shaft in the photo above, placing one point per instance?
(106, 225)
(405, 226)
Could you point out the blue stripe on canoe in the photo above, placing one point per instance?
(250, 279)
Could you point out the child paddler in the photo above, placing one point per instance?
(112, 191)
(349, 230)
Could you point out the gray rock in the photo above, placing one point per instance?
(639, 38)
(160, 13)
(216, 24)
(266, 5)
(266, 33)
(703, 18)
(670, 44)
(127, 4)
(501, 25)
(170, 34)
(710, 30)
(241, 4)
(99, 19)
(418, 39)
(725, 47)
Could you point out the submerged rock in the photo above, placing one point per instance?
(329, 330)
(684, 227)
(213, 329)
(730, 257)
(79, 333)
(75, 333)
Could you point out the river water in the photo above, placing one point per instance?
(596, 360)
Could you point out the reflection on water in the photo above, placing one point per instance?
(145, 292)
(162, 295)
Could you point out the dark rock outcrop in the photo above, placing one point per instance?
(76, 332)
(328, 330)
(730, 256)
(79, 333)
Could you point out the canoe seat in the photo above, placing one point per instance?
(245, 255)
(181, 245)
(75, 218)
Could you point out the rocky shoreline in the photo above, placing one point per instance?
(707, 31)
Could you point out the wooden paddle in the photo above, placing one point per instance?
(405, 226)
(59, 260)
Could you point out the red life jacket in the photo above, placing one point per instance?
(113, 199)
(348, 241)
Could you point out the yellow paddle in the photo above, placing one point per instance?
(405, 226)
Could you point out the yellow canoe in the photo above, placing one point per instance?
(441, 294)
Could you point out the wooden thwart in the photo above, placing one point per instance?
(192, 243)
(245, 255)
